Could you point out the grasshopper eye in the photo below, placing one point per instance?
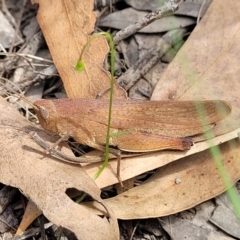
(44, 112)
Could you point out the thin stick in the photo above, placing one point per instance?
(200, 11)
(167, 8)
(134, 229)
(25, 55)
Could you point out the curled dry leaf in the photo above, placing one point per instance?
(66, 26)
(45, 180)
(179, 185)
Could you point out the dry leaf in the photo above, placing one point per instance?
(225, 217)
(187, 8)
(179, 185)
(178, 228)
(45, 180)
(8, 33)
(30, 214)
(66, 26)
(122, 19)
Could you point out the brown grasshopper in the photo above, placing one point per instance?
(146, 125)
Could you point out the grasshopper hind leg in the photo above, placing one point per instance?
(115, 152)
(146, 142)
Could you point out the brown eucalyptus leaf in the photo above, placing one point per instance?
(45, 181)
(207, 66)
(66, 26)
(179, 185)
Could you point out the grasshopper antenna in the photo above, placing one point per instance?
(20, 96)
(35, 108)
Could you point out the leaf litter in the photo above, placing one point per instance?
(62, 63)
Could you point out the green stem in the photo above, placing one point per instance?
(80, 67)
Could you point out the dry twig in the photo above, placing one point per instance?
(167, 8)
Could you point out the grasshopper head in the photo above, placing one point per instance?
(47, 115)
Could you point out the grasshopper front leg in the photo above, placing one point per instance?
(61, 156)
